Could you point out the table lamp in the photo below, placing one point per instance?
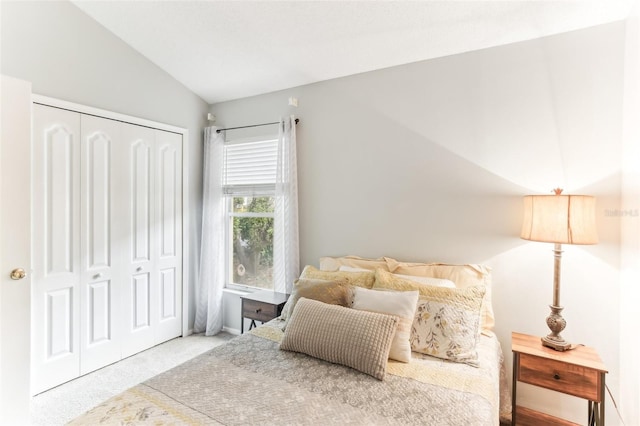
(559, 219)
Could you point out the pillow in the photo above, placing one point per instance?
(359, 279)
(357, 339)
(352, 269)
(447, 323)
(334, 263)
(331, 292)
(438, 282)
(387, 281)
(399, 303)
(462, 275)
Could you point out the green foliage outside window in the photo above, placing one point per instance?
(253, 241)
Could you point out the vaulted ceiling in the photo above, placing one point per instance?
(224, 50)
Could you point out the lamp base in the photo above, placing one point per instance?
(559, 345)
(556, 324)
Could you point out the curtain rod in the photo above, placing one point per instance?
(252, 125)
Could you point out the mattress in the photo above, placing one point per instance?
(249, 380)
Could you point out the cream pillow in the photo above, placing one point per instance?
(360, 279)
(438, 282)
(328, 263)
(356, 339)
(331, 292)
(401, 304)
(447, 323)
(388, 281)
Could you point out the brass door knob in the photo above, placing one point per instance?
(18, 274)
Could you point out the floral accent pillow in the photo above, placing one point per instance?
(447, 323)
(462, 275)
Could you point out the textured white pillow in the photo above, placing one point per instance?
(437, 282)
(401, 304)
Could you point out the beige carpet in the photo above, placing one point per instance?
(65, 402)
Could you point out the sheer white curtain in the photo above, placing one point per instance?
(286, 256)
(212, 256)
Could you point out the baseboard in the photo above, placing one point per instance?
(233, 331)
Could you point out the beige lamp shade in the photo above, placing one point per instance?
(562, 219)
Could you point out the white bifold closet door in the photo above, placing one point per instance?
(168, 248)
(107, 242)
(100, 237)
(153, 255)
(55, 247)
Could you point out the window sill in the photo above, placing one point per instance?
(243, 291)
(236, 291)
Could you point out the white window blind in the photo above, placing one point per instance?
(250, 167)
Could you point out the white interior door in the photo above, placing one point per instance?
(140, 303)
(169, 229)
(101, 240)
(56, 247)
(15, 250)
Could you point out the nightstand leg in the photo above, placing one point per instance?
(596, 413)
(516, 362)
(242, 317)
(602, 401)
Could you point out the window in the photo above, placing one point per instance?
(249, 176)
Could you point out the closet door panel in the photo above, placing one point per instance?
(60, 158)
(169, 294)
(55, 247)
(99, 326)
(168, 199)
(140, 299)
(97, 195)
(169, 229)
(139, 187)
(59, 317)
(100, 281)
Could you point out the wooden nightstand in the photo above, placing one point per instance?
(578, 372)
(261, 306)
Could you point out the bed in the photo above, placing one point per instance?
(251, 380)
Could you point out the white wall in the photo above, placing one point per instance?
(429, 161)
(67, 55)
(630, 228)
